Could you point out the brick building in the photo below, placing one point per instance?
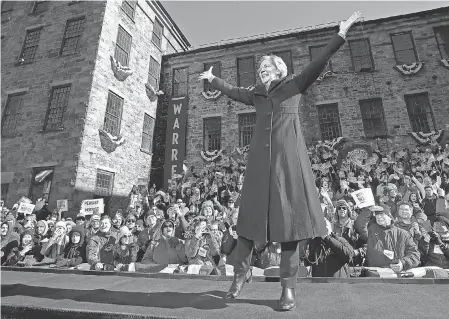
(77, 78)
(364, 98)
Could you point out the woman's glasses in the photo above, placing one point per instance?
(130, 221)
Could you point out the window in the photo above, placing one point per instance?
(247, 122)
(153, 73)
(170, 48)
(286, 56)
(404, 48)
(30, 46)
(41, 183)
(105, 183)
(180, 81)
(212, 133)
(7, 7)
(147, 133)
(56, 109)
(113, 116)
(362, 59)
(442, 35)
(123, 46)
(315, 51)
(40, 6)
(329, 121)
(130, 8)
(11, 115)
(246, 75)
(158, 31)
(419, 112)
(5, 188)
(215, 71)
(373, 117)
(73, 31)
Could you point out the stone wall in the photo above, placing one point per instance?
(384, 82)
(30, 147)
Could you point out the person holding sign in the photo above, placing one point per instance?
(279, 200)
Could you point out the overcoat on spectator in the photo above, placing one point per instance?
(279, 199)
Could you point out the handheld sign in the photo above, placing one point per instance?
(62, 204)
(363, 197)
(91, 206)
(25, 208)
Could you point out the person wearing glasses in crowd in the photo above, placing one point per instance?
(279, 200)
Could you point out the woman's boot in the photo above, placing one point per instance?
(288, 299)
(237, 284)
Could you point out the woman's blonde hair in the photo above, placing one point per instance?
(277, 62)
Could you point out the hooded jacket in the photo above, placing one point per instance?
(73, 254)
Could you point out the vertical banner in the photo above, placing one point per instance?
(176, 137)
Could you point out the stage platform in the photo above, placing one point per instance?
(50, 293)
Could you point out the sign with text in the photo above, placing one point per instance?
(62, 205)
(26, 208)
(91, 206)
(176, 137)
(363, 197)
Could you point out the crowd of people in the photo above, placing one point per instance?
(193, 221)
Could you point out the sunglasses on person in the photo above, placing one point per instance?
(129, 221)
(128, 235)
(342, 208)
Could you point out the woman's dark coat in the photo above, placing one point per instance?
(279, 199)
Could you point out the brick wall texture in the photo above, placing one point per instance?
(75, 152)
(346, 88)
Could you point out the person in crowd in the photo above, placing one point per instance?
(41, 230)
(27, 253)
(94, 226)
(117, 220)
(437, 249)
(149, 233)
(202, 246)
(390, 246)
(427, 182)
(74, 253)
(9, 239)
(80, 219)
(187, 194)
(125, 251)
(329, 256)
(99, 251)
(429, 203)
(57, 242)
(166, 249)
(130, 223)
(69, 224)
(392, 199)
(442, 204)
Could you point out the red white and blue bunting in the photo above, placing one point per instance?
(431, 138)
(409, 69)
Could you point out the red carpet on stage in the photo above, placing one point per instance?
(67, 295)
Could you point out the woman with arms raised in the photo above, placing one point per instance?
(280, 202)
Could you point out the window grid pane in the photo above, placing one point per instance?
(129, 7)
(5, 188)
(12, 114)
(30, 45)
(361, 55)
(180, 81)
(104, 184)
(442, 35)
(212, 134)
(286, 56)
(147, 133)
(419, 112)
(403, 48)
(57, 107)
(329, 121)
(245, 72)
(314, 51)
(247, 122)
(73, 31)
(215, 71)
(123, 46)
(153, 73)
(113, 114)
(157, 33)
(373, 117)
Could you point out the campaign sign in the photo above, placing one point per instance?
(25, 208)
(363, 197)
(62, 205)
(91, 206)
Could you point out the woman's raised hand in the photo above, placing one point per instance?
(207, 75)
(345, 25)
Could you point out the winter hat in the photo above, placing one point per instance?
(79, 230)
(342, 203)
(42, 223)
(139, 222)
(69, 222)
(124, 231)
(61, 224)
(166, 222)
(207, 203)
(95, 217)
(26, 232)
